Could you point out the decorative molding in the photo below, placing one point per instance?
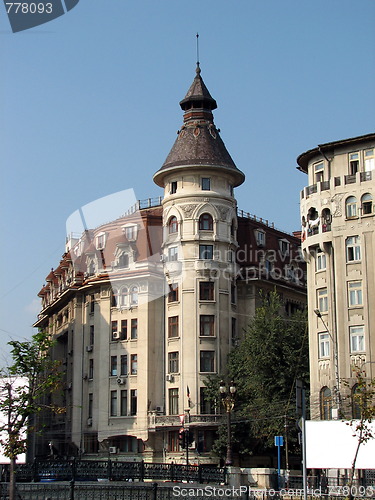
(336, 199)
(188, 210)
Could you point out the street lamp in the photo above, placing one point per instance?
(227, 398)
(337, 397)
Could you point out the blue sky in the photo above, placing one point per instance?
(89, 106)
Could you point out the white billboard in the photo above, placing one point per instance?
(331, 444)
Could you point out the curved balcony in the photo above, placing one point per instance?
(159, 422)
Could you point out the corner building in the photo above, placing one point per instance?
(144, 308)
(338, 243)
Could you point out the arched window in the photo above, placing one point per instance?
(366, 204)
(326, 404)
(206, 222)
(115, 298)
(134, 296)
(351, 206)
(124, 296)
(123, 260)
(356, 402)
(173, 225)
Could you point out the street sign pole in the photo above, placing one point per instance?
(279, 442)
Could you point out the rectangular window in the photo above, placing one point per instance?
(323, 300)
(234, 330)
(233, 294)
(113, 409)
(172, 254)
(321, 262)
(173, 326)
(355, 293)
(369, 160)
(173, 401)
(357, 339)
(206, 183)
(206, 252)
(353, 163)
(324, 345)
(130, 233)
(207, 361)
(353, 249)
(90, 405)
(133, 364)
(134, 329)
(260, 238)
(91, 369)
(124, 329)
(91, 335)
(206, 290)
(124, 403)
(133, 402)
(205, 403)
(173, 187)
(113, 365)
(319, 171)
(173, 359)
(114, 330)
(124, 364)
(173, 441)
(92, 303)
(207, 325)
(173, 293)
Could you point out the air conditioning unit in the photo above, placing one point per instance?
(116, 335)
(89, 422)
(160, 409)
(112, 449)
(89, 348)
(169, 378)
(121, 381)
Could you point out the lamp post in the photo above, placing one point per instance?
(227, 398)
(337, 397)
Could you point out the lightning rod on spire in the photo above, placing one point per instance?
(197, 35)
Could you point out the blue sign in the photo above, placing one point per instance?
(279, 441)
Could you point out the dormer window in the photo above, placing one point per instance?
(100, 241)
(206, 184)
(284, 247)
(260, 238)
(130, 232)
(123, 260)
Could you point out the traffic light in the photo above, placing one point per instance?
(181, 438)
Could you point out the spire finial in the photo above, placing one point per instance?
(198, 70)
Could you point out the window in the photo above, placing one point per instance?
(133, 364)
(206, 183)
(323, 300)
(284, 247)
(91, 369)
(173, 293)
(100, 241)
(123, 260)
(353, 249)
(92, 303)
(113, 409)
(369, 160)
(319, 171)
(92, 336)
(173, 225)
(353, 163)
(134, 296)
(366, 204)
(113, 365)
(233, 229)
(124, 297)
(207, 361)
(357, 339)
(260, 238)
(130, 232)
(233, 294)
(134, 329)
(234, 330)
(206, 252)
(124, 329)
(173, 441)
(90, 405)
(206, 290)
(206, 222)
(124, 403)
(205, 403)
(173, 187)
(351, 207)
(324, 345)
(133, 402)
(173, 401)
(173, 326)
(114, 330)
(115, 301)
(321, 262)
(124, 364)
(355, 293)
(325, 404)
(207, 325)
(172, 254)
(173, 362)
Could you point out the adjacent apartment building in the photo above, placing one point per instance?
(338, 242)
(144, 308)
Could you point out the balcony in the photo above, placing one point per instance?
(159, 422)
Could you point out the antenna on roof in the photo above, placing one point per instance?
(198, 68)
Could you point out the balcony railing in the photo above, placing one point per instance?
(158, 421)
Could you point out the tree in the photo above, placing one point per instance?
(25, 384)
(265, 365)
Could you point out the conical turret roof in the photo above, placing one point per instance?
(198, 142)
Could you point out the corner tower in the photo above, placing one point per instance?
(199, 244)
